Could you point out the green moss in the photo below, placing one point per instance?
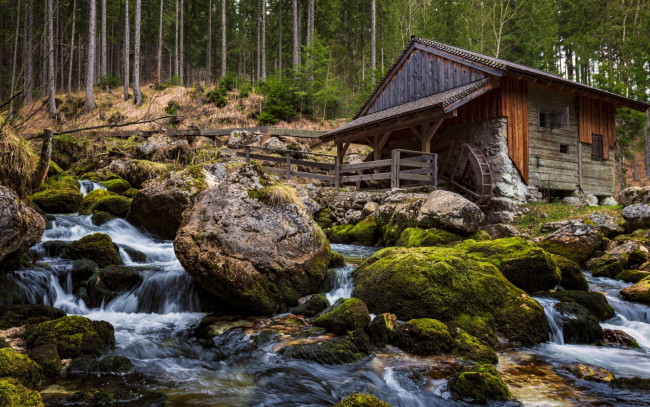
(113, 365)
(111, 281)
(594, 302)
(27, 314)
(115, 205)
(350, 315)
(93, 197)
(100, 217)
(336, 260)
(638, 292)
(481, 383)
(324, 218)
(424, 336)
(480, 235)
(140, 171)
(21, 367)
(632, 276)
(361, 400)
(315, 304)
(469, 347)
(118, 186)
(443, 283)
(572, 277)
(340, 234)
(94, 397)
(47, 356)
(365, 232)
(130, 193)
(54, 169)
(521, 262)
(194, 178)
(97, 247)
(480, 326)
(74, 336)
(14, 394)
(334, 352)
(58, 200)
(381, 329)
(608, 265)
(417, 237)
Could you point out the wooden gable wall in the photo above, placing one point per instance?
(597, 117)
(422, 74)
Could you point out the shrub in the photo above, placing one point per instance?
(281, 101)
(109, 81)
(244, 91)
(217, 96)
(17, 163)
(172, 108)
(227, 83)
(266, 118)
(173, 80)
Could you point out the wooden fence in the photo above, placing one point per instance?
(404, 165)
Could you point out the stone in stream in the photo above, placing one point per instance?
(572, 277)
(20, 227)
(575, 241)
(591, 373)
(361, 400)
(620, 339)
(250, 243)
(381, 329)
(21, 367)
(110, 281)
(638, 292)
(481, 384)
(13, 393)
(594, 302)
(312, 306)
(73, 335)
(47, 356)
(59, 195)
(424, 336)
(578, 325)
(351, 314)
(98, 247)
(628, 255)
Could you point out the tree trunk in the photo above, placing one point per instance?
(136, 54)
(263, 77)
(13, 67)
(127, 52)
(280, 37)
(259, 38)
(176, 72)
(373, 36)
(44, 160)
(160, 42)
(181, 65)
(210, 42)
(296, 35)
(310, 22)
(620, 165)
(103, 70)
(29, 68)
(74, 14)
(223, 38)
(646, 133)
(51, 78)
(90, 64)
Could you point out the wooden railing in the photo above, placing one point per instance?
(404, 165)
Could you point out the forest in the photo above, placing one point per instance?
(317, 59)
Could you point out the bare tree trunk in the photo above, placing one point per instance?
(44, 160)
(51, 78)
(90, 64)
(646, 133)
(259, 37)
(136, 54)
(176, 72)
(310, 22)
(160, 42)
(13, 67)
(103, 70)
(127, 39)
(182, 57)
(373, 36)
(263, 77)
(296, 34)
(74, 13)
(79, 63)
(280, 37)
(223, 38)
(29, 68)
(620, 165)
(210, 42)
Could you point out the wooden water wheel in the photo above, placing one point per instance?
(471, 176)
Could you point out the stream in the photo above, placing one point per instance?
(156, 327)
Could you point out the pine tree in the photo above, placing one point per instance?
(51, 78)
(136, 54)
(127, 52)
(90, 61)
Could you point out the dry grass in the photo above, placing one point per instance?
(17, 163)
(282, 194)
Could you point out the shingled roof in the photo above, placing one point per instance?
(438, 100)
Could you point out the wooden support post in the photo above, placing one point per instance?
(580, 164)
(288, 167)
(435, 170)
(337, 170)
(248, 153)
(392, 169)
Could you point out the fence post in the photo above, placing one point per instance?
(288, 167)
(435, 170)
(336, 172)
(397, 168)
(248, 153)
(393, 154)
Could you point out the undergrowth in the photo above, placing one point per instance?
(540, 213)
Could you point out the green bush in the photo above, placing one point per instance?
(244, 91)
(217, 96)
(173, 80)
(109, 81)
(227, 83)
(281, 101)
(172, 108)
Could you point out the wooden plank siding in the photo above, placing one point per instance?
(598, 117)
(514, 105)
(422, 74)
(549, 168)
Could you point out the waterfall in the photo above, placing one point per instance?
(556, 335)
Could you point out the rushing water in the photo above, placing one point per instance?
(158, 325)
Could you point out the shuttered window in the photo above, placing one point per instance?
(597, 147)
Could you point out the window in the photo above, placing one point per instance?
(564, 149)
(559, 118)
(543, 120)
(597, 147)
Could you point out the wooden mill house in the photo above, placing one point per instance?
(537, 131)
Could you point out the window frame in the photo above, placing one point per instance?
(597, 147)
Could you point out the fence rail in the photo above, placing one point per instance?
(404, 165)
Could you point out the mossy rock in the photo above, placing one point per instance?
(136, 256)
(54, 169)
(341, 234)
(362, 400)
(417, 237)
(639, 292)
(14, 394)
(313, 306)
(27, 314)
(350, 315)
(336, 261)
(47, 356)
(113, 365)
(130, 193)
(109, 282)
(480, 236)
(115, 205)
(93, 197)
(480, 383)
(140, 171)
(521, 262)
(424, 336)
(381, 329)
(324, 218)
(480, 326)
(118, 185)
(594, 302)
(92, 397)
(469, 347)
(572, 277)
(21, 367)
(97, 247)
(58, 200)
(632, 383)
(579, 326)
(632, 276)
(365, 232)
(443, 283)
(337, 351)
(74, 336)
(61, 182)
(608, 265)
(100, 217)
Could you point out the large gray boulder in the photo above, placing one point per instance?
(450, 211)
(250, 243)
(137, 172)
(243, 138)
(637, 216)
(575, 241)
(159, 206)
(20, 226)
(606, 224)
(635, 195)
(158, 145)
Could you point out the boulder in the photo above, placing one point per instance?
(312, 306)
(393, 218)
(365, 232)
(137, 172)
(591, 373)
(572, 277)
(93, 197)
(595, 303)
(243, 138)
(637, 216)
(117, 185)
(450, 211)
(361, 400)
(466, 346)
(521, 262)
(443, 283)
(74, 336)
(619, 339)
(417, 237)
(47, 356)
(606, 224)
(97, 247)
(21, 227)
(553, 226)
(482, 327)
(638, 292)
(423, 336)
(628, 255)
(501, 230)
(14, 394)
(252, 245)
(480, 383)
(342, 350)
(607, 201)
(274, 143)
(21, 367)
(370, 207)
(635, 195)
(110, 282)
(575, 241)
(115, 205)
(337, 260)
(632, 276)
(155, 145)
(381, 329)
(348, 316)
(578, 324)
(159, 206)
(27, 314)
(54, 200)
(113, 365)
